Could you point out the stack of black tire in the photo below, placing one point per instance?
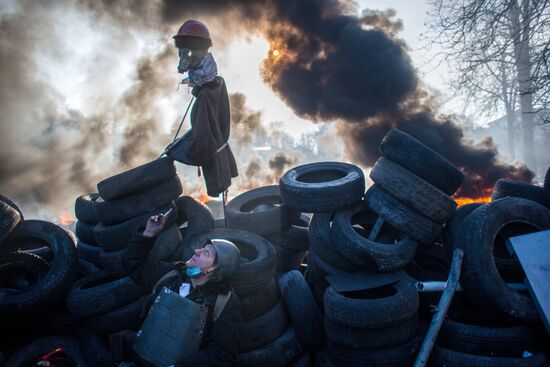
(262, 211)
(493, 323)
(266, 329)
(368, 327)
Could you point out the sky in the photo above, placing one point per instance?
(89, 91)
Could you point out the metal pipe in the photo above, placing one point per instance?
(440, 286)
(442, 308)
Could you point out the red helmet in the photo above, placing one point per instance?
(192, 30)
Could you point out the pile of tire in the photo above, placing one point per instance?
(38, 266)
(491, 322)
(369, 327)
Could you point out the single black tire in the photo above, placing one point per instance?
(373, 308)
(112, 262)
(30, 354)
(128, 316)
(279, 353)
(254, 274)
(264, 329)
(317, 270)
(505, 341)
(410, 153)
(256, 304)
(507, 188)
(9, 219)
(125, 208)
(412, 190)
(89, 253)
(402, 217)
(240, 212)
(199, 217)
(442, 357)
(322, 187)
(8, 201)
(288, 260)
(451, 231)
(392, 251)
(480, 277)
(100, 293)
(302, 310)
(137, 179)
(115, 237)
(50, 289)
(322, 245)
(371, 339)
(85, 208)
(20, 270)
(294, 238)
(85, 232)
(397, 356)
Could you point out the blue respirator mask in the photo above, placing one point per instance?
(193, 272)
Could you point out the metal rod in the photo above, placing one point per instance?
(440, 286)
(376, 229)
(442, 308)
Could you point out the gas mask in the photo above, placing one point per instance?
(189, 59)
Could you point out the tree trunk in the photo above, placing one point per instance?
(520, 36)
(508, 99)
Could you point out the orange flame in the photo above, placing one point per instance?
(203, 196)
(66, 219)
(463, 201)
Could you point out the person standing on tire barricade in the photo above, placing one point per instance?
(206, 143)
(203, 280)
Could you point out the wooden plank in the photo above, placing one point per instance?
(533, 253)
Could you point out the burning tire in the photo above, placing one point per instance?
(322, 187)
(52, 287)
(402, 217)
(258, 258)
(375, 308)
(303, 310)
(128, 207)
(137, 179)
(264, 329)
(242, 212)
(412, 190)
(100, 293)
(480, 277)
(9, 219)
(279, 353)
(85, 208)
(33, 352)
(408, 152)
(506, 188)
(390, 251)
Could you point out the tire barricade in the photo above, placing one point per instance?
(321, 220)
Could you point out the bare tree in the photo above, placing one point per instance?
(499, 49)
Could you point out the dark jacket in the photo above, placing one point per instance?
(210, 128)
(220, 342)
